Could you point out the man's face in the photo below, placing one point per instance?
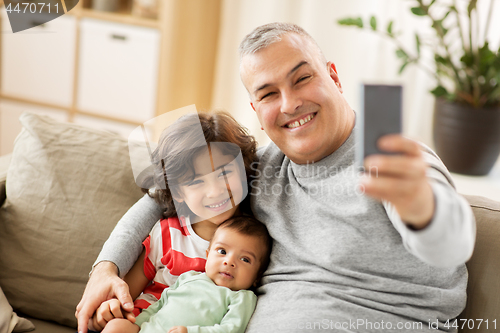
(298, 98)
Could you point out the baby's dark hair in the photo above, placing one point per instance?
(182, 141)
(249, 226)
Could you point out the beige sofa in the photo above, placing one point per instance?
(62, 193)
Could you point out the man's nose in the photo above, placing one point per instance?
(290, 101)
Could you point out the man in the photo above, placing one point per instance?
(391, 259)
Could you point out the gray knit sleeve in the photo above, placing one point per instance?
(124, 245)
(448, 240)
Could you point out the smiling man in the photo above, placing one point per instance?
(341, 260)
(350, 253)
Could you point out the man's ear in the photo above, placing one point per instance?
(332, 66)
(332, 70)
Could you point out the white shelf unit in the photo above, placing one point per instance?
(107, 70)
(118, 70)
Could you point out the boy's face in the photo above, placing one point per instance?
(234, 260)
(214, 192)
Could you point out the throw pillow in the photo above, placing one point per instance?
(67, 186)
(9, 321)
(483, 286)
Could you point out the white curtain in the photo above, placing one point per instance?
(360, 55)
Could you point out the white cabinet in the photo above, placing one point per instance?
(38, 64)
(118, 70)
(10, 126)
(111, 70)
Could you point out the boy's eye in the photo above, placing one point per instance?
(245, 259)
(225, 172)
(195, 182)
(221, 251)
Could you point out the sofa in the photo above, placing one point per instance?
(63, 189)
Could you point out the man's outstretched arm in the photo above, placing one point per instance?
(437, 225)
(118, 255)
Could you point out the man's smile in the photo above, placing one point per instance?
(301, 121)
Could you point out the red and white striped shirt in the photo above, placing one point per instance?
(172, 248)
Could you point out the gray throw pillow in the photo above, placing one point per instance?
(67, 186)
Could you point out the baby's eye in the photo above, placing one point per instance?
(221, 251)
(245, 259)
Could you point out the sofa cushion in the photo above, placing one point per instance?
(66, 187)
(42, 326)
(483, 287)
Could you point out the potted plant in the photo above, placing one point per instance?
(466, 125)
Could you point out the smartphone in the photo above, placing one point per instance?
(380, 114)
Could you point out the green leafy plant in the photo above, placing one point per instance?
(466, 69)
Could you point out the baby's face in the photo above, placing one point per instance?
(233, 259)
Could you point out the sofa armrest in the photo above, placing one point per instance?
(483, 289)
(4, 166)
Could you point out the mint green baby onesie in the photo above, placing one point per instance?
(196, 302)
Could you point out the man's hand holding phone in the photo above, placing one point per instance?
(394, 167)
(401, 179)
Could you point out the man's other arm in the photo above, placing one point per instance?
(118, 255)
(124, 245)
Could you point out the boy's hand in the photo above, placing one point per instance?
(178, 329)
(109, 310)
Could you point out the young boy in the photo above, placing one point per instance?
(217, 300)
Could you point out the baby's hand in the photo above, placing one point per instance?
(178, 329)
(109, 310)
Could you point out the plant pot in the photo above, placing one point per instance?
(466, 139)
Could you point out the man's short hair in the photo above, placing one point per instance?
(267, 34)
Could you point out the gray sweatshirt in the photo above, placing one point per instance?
(341, 261)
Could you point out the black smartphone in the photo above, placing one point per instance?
(380, 114)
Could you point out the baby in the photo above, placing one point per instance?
(217, 300)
